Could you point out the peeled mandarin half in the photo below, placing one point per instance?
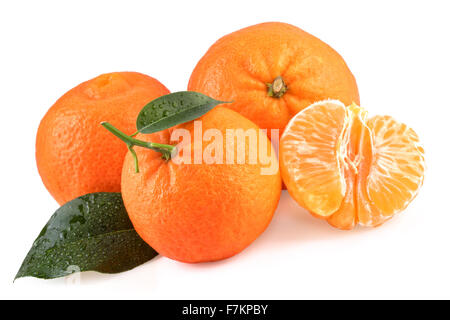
(348, 169)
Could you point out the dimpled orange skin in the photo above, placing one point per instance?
(75, 155)
(199, 212)
(239, 66)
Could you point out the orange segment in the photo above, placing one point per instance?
(396, 172)
(310, 159)
(347, 169)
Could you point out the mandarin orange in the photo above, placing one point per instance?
(74, 154)
(350, 169)
(194, 211)
(272, 71)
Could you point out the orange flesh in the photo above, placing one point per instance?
(348, 169)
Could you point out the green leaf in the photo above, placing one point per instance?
(172, 109)
(90, 233)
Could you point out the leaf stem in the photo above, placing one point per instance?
(136, 163)
(166, 150)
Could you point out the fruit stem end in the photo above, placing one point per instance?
(277, 88)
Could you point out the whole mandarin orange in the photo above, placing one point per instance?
(74, 154)
(199, 211)
(272, 71)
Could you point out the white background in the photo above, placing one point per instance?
(399, 53)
